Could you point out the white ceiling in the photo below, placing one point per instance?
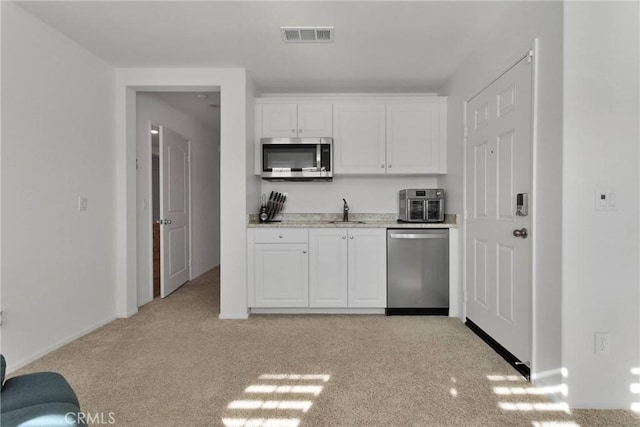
(380, 46)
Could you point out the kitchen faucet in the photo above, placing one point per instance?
(345, 211)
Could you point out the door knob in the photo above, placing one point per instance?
(163, 221)
(523, 232)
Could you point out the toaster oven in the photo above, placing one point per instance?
(421, 205)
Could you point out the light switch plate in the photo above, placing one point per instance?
(605, 200)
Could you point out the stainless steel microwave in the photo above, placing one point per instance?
(297, 159)
(421, 205)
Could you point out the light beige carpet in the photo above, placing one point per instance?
(176, 364)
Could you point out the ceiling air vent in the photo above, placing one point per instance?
(307, 34)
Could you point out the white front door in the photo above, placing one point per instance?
(498, 254)
(174, 211)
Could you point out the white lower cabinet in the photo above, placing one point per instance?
(328, 267)
(281, 275)
(347, 268)
(280, 266)
(367, 268)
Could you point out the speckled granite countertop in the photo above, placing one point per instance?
(356, 220)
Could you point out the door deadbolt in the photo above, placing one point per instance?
(522, 204)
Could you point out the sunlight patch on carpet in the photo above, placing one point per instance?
(270, 412)
(555, 424)
(261, 422)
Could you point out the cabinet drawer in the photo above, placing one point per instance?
(281, 235)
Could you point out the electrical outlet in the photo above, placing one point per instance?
(82, 203)
(1, 313)
(602, 343)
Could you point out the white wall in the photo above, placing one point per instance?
(231, 82)
(253, 181)
(512, 38)
(205, 188)
(57, 144)
(601, 249)
(365, 194)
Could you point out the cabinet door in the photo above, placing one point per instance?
(359, 138)
(281, 275)
(327, 268)
(279, 120)
(314, 120)
(367, 268)
(412, 138)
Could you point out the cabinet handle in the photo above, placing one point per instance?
(280, 236)
(389, 165)
(382, 166)
(344, 237)
(293, 130)
(351, 237)
(304, 252)
(299, 130)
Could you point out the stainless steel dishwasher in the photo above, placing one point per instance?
(417, 271)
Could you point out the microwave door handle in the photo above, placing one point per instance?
(318, 157)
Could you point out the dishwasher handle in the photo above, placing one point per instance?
(418, 236)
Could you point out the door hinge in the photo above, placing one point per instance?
(530, 57)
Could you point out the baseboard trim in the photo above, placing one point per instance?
(498, 348)
(336, 310)
(553, 386)
(417, 311)
(233, 316)
(11, 367)
(127, 314)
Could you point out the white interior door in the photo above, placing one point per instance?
(498, 263)
(174, 211)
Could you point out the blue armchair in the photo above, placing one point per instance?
(40, 399)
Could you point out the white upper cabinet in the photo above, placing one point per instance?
(390, 138)
(359, 138)
(296, 120)
(413, 131)
(279, 120)
(371, 135)
(315, 120)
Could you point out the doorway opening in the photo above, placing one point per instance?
(178, 179)
(155, 202)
